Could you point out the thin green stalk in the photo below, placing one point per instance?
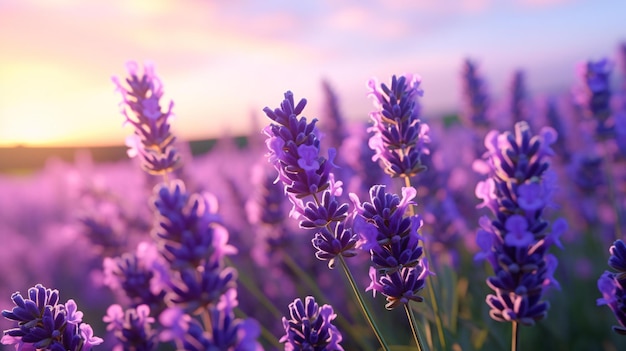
(514, 336)
(414, 329)
(429, 284)
(364, 309)
(255, 291)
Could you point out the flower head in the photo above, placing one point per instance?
(612, 285)
(476, 100)
(132, 328)
(44, 323)
(516, 241)
(153, 140)
(309, 327)
(399, 137)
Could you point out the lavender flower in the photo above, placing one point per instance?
(132, 328)
(138, 276)
(294, 148)
(518, 97)
(397, 271)
(45, 324)
(310, 327)
(152, 139)
(517, 240)
(333, 125)
(399, 137)
(476, 99)
(595, 94)
(188, 230)
(226, 332)
(612, 285)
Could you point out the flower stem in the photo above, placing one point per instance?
(414, 329)
(515, 336)
(431, 290)
(252, 288)
(364, 309)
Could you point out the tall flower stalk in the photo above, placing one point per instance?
(594, 97)
(294, 150)
(399, 139)
(197, 290)
(516, 240)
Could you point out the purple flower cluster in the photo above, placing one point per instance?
(182, 276)
(518, 97)
(398, 270)
(294, 150)
(612, 285)
(43, 323)
(310, 327)
(399, 137)
(476, 99)
(132, 327)
(134, 276)
(194, 243)
(595, 94)
(225, 332)
(153, 140)
(516, 241)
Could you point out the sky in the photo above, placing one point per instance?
(221, 62)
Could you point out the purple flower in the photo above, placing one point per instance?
(517, 239)
(198, 288)
(399, 137)
(518, 97)
(44, 323)
(310, 327)
(294, 148)
(397, 271)
(188, 230)
(152, 140)
(594, 95)
(132, 328)
(226, 333)
(333, 124)
(133, 276)
(617, 261)
(612, 285)
(475, 97)
(329, 245)
(517, 232)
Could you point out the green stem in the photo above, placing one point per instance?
(414, 329)
(514, 336)
(429, 284)
(254, 290)
(364, 309)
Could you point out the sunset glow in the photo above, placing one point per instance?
(223, 61)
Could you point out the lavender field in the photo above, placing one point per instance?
(499, 227)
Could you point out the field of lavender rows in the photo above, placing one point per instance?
(498, 228)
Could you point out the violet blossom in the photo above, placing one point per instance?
(517, 239)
